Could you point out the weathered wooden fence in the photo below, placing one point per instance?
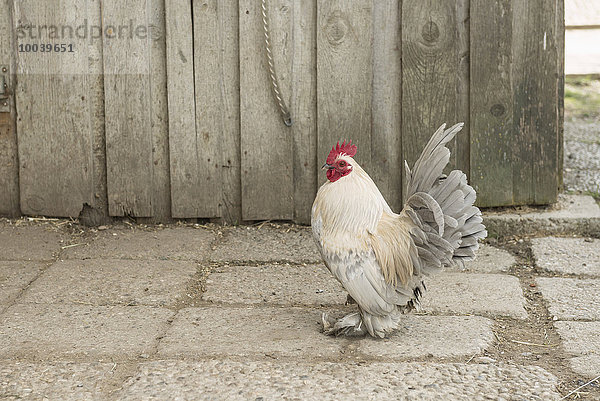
(164, 109)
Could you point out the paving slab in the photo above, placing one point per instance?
(460, 293)
(177, 243)
(489, 260)
(582, 340)
(571, 298)
(568, 255)
(14, 276)
(274, 284)
(44, 331)
(437, 336)
(277, 332)
(228, 380)
(29, 242)
(112, 282)
(466, 293)
(266, 244)
(573, 214)
(267, 331)
(52, 381)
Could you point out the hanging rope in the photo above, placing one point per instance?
(285, 113)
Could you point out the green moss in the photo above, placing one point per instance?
(582, 96)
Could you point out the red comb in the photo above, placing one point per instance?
(346, 149)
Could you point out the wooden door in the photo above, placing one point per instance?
(9, 168)
(56, 103)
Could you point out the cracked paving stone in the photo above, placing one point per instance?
(251, 380)
(568, 255)
(112, 282)
(571, 298)
(43, 331)
(14, 276)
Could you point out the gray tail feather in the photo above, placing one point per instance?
(448, 226)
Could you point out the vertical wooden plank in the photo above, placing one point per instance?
(231, 187)
(304, 107)
(460, 156)
(9, 164)
(535, 60)
(345, 77)
(204, 109)
(159, 120)
(128, 108)
(97, 212)
(186, 185)
(210, 101)
(386, 162)
(560, 125)
(266, 144)
(54, 113)
(429, 71)
(491, 102)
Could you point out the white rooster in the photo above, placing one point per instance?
(381, 257)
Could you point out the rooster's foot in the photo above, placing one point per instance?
(350, 325)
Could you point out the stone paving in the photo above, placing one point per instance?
(130, 313)
(573, 301)
(582, 147)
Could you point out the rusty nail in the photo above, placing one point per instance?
(3, 69)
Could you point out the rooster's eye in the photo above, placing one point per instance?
(342, 164)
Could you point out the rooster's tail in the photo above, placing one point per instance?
(448, 225)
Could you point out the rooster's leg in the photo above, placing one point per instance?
(349, 325)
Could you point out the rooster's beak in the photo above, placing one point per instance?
(326, 167)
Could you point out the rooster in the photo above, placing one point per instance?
(381, 257)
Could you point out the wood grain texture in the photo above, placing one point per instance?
(345, 77)
(214, 190)
(97, 213)
(55, 146)
(386, 160)
(560, 47)
(304, 108)
(267, 160)
(159, 115)
(192, 129)
(9, 163)
(491, 102)
(460, 157)
(429, 71)
(535, 65)
(128, 105)
(231, 186)
(186, 186)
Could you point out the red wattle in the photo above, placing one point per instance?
(333, 175)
